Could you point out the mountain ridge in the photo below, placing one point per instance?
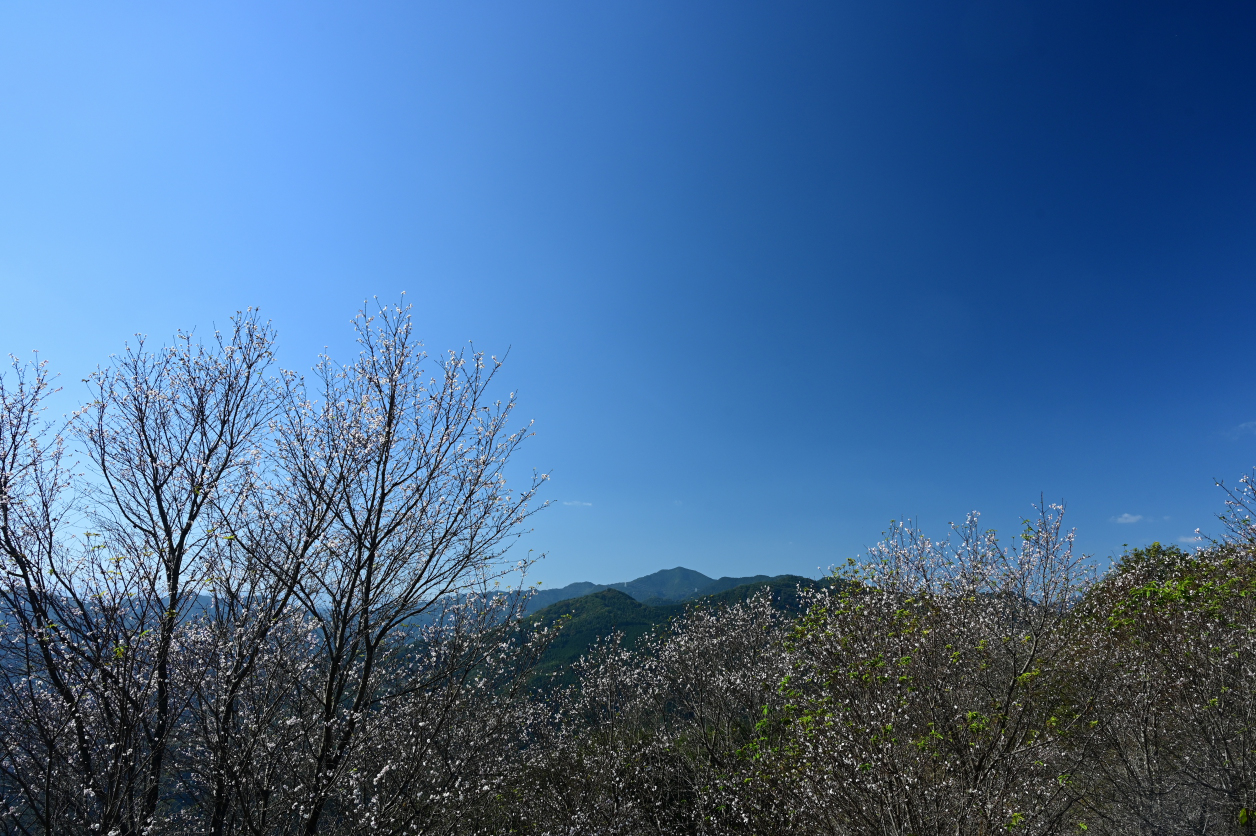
(587, 618)
(666, 586)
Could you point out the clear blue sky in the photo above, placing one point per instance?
(771, 274)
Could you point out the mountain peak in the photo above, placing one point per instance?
(661, 587)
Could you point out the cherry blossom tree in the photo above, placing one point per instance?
(650, 738)
(940, 689)
(169, 434)
(232, 611)
(1180, 723)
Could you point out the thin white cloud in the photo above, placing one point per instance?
(1246, 428)
(579, 503)
(1125, 519)
(1189, 540)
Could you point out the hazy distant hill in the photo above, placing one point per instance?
(590, 617)
(662, 587)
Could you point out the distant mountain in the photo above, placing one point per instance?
(667, 586)
(542, 598)
(589, 617)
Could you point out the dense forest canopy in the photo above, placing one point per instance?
(237, 601)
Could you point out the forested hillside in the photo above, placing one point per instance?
(585, 620)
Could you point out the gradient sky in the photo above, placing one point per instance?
(770, 274)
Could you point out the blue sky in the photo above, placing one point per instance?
(770, 274)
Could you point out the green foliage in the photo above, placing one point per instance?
(1162, 581)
